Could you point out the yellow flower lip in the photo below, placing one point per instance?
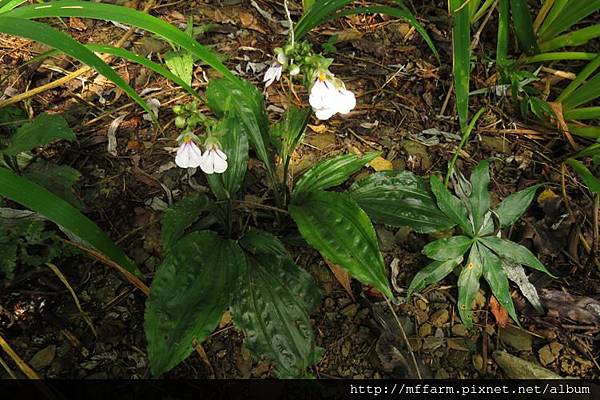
(187, 139)
(322, 76)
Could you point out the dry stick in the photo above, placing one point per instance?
(72, 75)
(7, 368)
(405, 338)
(107, 261)
(64, 280)
(23, 366)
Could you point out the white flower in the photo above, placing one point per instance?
(213, 159)
(328, 96)
(189, 154)
(273, 73)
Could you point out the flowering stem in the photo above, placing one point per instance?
(289, 19)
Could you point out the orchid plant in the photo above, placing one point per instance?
(219, 255)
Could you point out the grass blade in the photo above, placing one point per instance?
(571, 39)
(585, 73)
(503, 37)
(7, 5)
(590, 180)
(560, 56)
(582, 113)
(524, 26)
(589, 91)
(57, 210)
(51, 37)
(569, 14)
(555, 11)
(461, 58)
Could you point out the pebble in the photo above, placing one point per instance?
(425, 329)
(439, 318)
(459, 330)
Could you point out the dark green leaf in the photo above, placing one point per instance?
(331, 172)
(291, 129)
(39, 132)
(57, 210)
(513, 252)
(235, 144)
(334, 225)
(448, 248)
(512, 207)
(273, 305)
(450, 205)
(179, 217)
(480, 196)
(190, 291)
(494, 274)
(434, 272)
(399, 198)
(468, 285)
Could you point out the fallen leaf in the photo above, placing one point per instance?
(77, 23)
(318, 128)
(499, 312)
(381, 164)
(342, 277)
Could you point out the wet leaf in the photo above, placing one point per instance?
(448, 248)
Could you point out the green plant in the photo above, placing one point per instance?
(216, 258)
(479, 244)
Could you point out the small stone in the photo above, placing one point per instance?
(516, 338)
(439, 333)
(329, 303)
(546, 355)
(459, 330)
(222, 353)
(43, 358)
(556, 348)
(425, 329)
(421, 304)
(480, 300)
(458, 344)
(432, 343)
(439, 318)
(495, 143)
(350, 310)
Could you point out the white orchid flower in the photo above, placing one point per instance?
(274, 72)
(328, 96)
(189, 154)
(213, 159)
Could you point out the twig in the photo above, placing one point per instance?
(23, 366)
(7, 368)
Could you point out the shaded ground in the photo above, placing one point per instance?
(402, 109)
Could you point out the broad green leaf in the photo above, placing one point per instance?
(468, 285)
(333, 224)
(461, 58)
(235, 144)
(513, 252)
(480, 195)
(179, 217)
(448, 248)
(399, 198)
(57, 210)
(513, 206)
(331, 172)
(41, 131)
(189, 293)
(307, 5)
(54, 38)
(494, 274)
(272, 306)
(59, 179)
(434, 272)
(590, 180)
(524, 26)
(450, 205)
(181, 63)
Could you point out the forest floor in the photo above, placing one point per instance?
(403, 109)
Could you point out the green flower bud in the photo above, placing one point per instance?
(180, 122)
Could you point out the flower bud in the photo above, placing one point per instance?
(177, 109)
(180, 122)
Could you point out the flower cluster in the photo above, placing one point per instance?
(189, 155)
(328, 95)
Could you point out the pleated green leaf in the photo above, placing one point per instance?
(41, 131)
(513, 252)
(434, 272)
(480, 195)
(399, 198)
(190, 291)
(179, 217)
(272, 306)
(461, 58)
(451, 205)
(513, 206)
(448, 248)
(335, 225)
